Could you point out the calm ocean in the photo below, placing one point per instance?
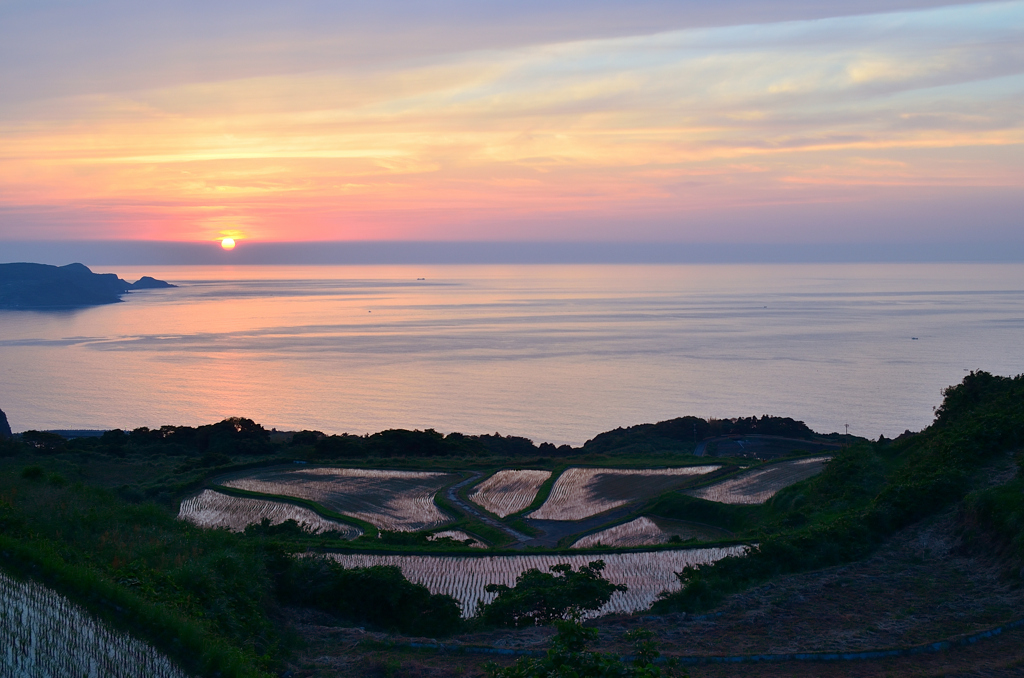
(554, 353)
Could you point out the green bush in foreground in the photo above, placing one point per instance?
(569, 658)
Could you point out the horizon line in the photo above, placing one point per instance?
(381, 252)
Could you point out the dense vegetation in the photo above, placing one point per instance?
(993, 519)
(871, 490)
(207, 597)
(684, 432)
(95, 518)
(213, 445)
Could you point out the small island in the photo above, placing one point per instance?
(42, 286)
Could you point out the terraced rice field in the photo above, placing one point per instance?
(645, 531)
(44, 634)
(509, 491)
(458, 535)
(401, 501)
(465, 577)
(758, 485)
(212, 509)
(583, 492)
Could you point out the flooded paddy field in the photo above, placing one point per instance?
(390, 500)
(509, 491)
(758, 485)
(646, 574)
(581, 492)
(215, 509)
(45, 634)
(647, 531)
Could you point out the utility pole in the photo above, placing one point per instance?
(847, 429)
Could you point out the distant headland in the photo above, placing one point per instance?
(38, 286)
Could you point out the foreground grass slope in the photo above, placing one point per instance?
(870, 491)
(208, 598)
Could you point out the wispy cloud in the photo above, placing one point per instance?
(634, 129)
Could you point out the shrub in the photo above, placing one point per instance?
(44, 442)
(378, 595)
(33, 473)
(569, 656)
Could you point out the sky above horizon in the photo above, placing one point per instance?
(745, 122)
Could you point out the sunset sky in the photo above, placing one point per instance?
(748, 121)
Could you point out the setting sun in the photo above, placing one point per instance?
(228, 243)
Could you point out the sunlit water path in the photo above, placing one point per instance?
(555, 353)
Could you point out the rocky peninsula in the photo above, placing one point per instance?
(41, 286)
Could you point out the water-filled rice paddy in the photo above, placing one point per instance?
(44, 634)
(758, 485)
(645, 531)
(390, 500)
(214, 509)
(583, 492)
(509, 491)
(465, 577)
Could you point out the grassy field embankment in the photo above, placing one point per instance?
(868, 492)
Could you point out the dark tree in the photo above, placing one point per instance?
(306, 438)
(44, 442)
(540, 598)
(236, 435)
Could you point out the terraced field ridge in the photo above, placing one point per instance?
(42, 633)
(509, 491)
(212, 509)
(465, 577)
(401, 501)
(645, 531)
(457, 535)
(581, 492)
(758, 485)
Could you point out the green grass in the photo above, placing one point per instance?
(98, 523)
(543, 492)
(869, 491)
(993, 519)
(195, 594)
(467, 522)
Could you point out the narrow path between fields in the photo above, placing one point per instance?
(452, 494)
